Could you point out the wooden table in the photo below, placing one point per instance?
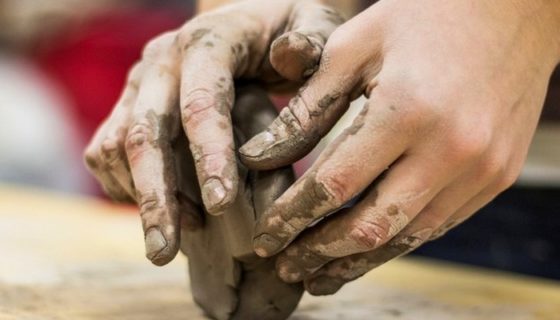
(77, 258)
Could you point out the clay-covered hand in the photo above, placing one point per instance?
(454, 93)
(277, 43)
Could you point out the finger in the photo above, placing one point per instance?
(333, 180)
(211, 58)
(496, 172)
(307, 118)
(298, 128)
(296, 54)
(451, 206)
(148, 147)
(385, 211)
(253, 112)
(465, 212)
(321, 102)
(105, 156)
(329, 279)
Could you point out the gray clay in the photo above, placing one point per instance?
(228, 280)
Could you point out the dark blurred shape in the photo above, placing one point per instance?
(518, 232)
(551, 111)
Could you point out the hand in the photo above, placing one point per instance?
(131, 154)
(455, 91)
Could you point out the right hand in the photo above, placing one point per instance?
(278, 43)
(455, 91)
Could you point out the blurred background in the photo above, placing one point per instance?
(63, 64)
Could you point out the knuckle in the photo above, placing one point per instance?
(491, 167)
(139, 134)
(425, 108)
(417, 110)
(291, 118)
(369, 234)
(510, 174)
(162, 53)
(198, 30)
(148, 203)
(411, 88)
(215, 154)
(110, 150)
(296, 117)
(197, 104)
(92, 159)
(152, 49)
(466, 145)
(506, 181)
(134, 74)
(334, 188)
(158, 45)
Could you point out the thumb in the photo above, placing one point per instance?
(295, 55)
(301, 125)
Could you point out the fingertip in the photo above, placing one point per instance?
(217, 197)
(266, 245)
(296, 131)
(159, 250)
(266, 152)
(323, 285)
(213, 193)
(288, 271)
(295, 56)
(257, 146)
(255, 153)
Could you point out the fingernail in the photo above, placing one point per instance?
(155, 243)
(213, 193)
(266, 245)
(323, 285)
(258, 145)
(289, 272)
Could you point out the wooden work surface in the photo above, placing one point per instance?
(78, 258)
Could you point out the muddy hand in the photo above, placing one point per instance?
(439, 137)
(194, 67)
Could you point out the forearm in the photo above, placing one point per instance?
(349, 7)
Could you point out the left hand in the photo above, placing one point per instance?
(455, 92)
(184, 85)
